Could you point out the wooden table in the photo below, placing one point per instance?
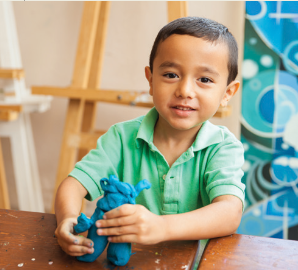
(27, 241)
(248, 252)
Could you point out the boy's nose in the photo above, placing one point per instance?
(185, 89)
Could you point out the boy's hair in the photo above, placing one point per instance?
(201, 28)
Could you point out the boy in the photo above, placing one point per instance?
(194, 167)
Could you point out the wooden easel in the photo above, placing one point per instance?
(16, 104)
(4, 198)
(7, 113)
(79, 134)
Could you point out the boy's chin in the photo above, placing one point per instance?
(186, 127)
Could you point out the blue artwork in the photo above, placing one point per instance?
(269, 122)
(116, 193)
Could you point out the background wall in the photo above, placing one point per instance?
(48, 34)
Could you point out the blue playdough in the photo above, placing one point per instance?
(116, 193)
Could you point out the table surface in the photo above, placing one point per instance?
(27, 241)
(248, 252)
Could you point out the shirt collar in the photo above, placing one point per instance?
(147, 127)
(208, 134)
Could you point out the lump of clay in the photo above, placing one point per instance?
(116, 193)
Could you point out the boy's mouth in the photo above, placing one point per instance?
(184, 108)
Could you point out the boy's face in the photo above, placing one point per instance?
(189, 81)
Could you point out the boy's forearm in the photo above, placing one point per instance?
(215, 220)
(69, 198)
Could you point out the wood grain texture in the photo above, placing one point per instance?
(248, 252)
(25, 236)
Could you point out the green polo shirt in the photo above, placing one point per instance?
(211, 167)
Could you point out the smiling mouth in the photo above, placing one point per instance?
(184, 108)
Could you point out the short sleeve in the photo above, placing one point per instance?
(223, 172)
(100, 162)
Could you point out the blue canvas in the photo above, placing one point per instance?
(116, 193)
(269, 122)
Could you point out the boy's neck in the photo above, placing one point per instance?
(172, 143)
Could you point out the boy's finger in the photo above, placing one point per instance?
(128, 238)
(76, 240)
(123, 230)
(123, 210)
(75, 250)
(65, 236)
(83, 241)
(115, 222)
(80, 240)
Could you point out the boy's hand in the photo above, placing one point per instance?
(132, 224)
(73, 245)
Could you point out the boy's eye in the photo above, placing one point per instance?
(171, 75)
(205, 80)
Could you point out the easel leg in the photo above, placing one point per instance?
(176, 9)
(4, 198)
(75, 112)
(96, 70)
(67, 152)
(95, 73)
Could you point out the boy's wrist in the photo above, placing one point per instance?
(175, 227)
(69, 217)
(166, 228)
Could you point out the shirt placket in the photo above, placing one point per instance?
(171, 190)
(172, 181)
(169, 179)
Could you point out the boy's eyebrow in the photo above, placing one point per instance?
(168, 64)
(202, 68)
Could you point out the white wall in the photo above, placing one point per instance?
(48, 34)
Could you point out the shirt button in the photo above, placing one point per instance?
(164, 177)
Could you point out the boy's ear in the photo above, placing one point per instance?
(148, 75)
(231, 90)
